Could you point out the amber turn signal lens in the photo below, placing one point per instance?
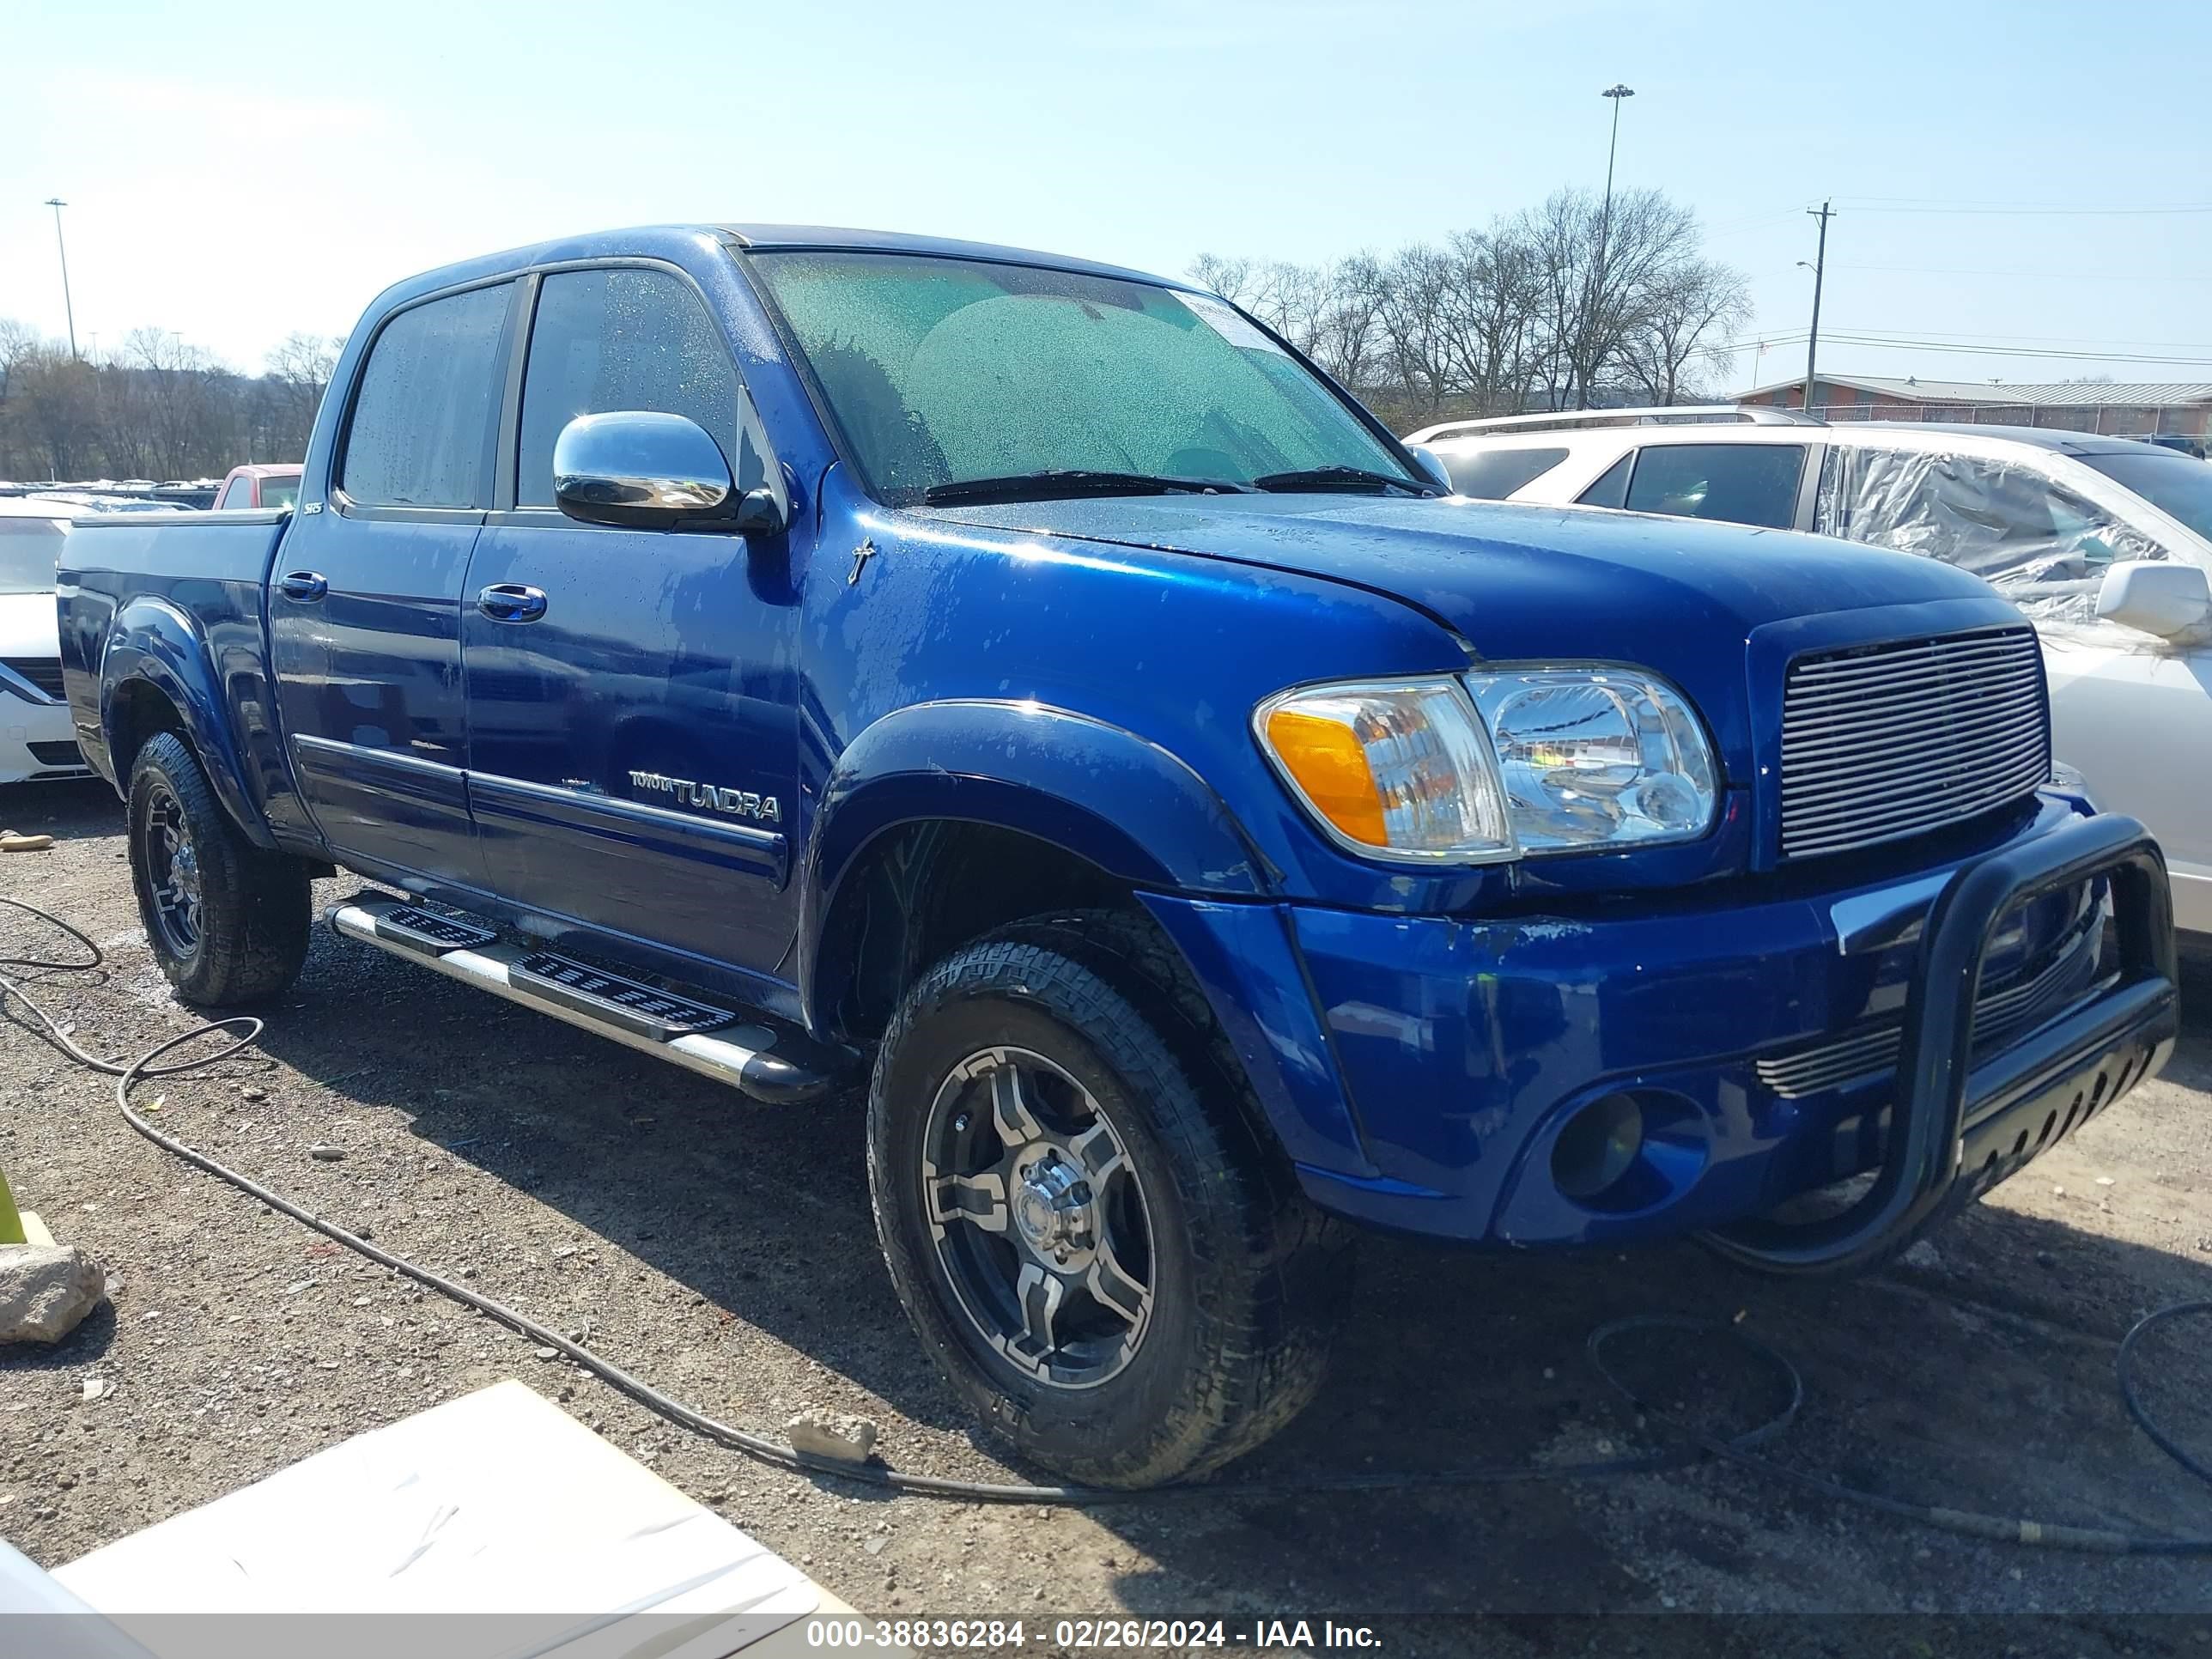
(1330, 764)
(1398, 769)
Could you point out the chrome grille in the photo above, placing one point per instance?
(1885, 743)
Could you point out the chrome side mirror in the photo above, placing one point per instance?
(1433, 464)
(646, 470)
(2165, 598)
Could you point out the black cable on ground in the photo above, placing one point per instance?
(1736, 1448)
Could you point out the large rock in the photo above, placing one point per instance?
(840, 1435)
(45, 1290)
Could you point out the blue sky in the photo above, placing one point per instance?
(236, 172)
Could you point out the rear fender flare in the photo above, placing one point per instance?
(154, 642)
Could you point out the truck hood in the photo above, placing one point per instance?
(27, 625)
(1680, 597)
(1521, 582)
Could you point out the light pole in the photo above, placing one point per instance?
(62, 247)
(1618, 91)
(1615, 93)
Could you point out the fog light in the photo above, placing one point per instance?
(1598, 1146)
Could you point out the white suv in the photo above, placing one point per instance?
(2103, 542)
(36, 738)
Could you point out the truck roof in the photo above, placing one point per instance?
(666, 240)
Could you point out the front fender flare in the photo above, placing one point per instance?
(154, 642)
(1104, 794)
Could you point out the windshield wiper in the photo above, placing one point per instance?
(1340, 477)
(1069, 481)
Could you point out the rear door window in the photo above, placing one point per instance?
(1611, 489)
(423, 427)
(1494, 474)
(1739, 483)
(624, 339)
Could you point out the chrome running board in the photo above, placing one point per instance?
(759, 1060)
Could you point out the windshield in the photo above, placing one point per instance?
(942, 372)
(29, 549)
(280, 492)
(2177, 484)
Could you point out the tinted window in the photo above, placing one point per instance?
(1612, 488)
(623, 339)
(279, 492)
(2167, 479)
(1494, 474)
(421, 422)
(1741, 483)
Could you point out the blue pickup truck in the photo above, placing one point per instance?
(1029, 685)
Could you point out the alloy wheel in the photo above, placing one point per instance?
(173, 873)
(1039, 1220)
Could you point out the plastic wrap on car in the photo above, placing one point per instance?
(2042, 547)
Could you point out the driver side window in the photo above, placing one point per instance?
(624, 338)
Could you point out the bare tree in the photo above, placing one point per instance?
(49, 423)
(156, 407)
(1560, 305)
(1413, 317)
(299, 371)
(1492, 314)
(1346, 345)
(1231, 278)
(190, 416)
(17, 341)
(1687, 307)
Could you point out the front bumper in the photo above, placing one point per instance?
(37, 741)
(1420, 1070)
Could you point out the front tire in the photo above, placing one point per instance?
(227, 920)
(1086, 1227)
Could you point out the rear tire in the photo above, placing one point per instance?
(227, 920)
(1087, 1231)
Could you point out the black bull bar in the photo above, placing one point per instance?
(1956, 1128)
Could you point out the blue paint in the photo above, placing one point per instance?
(1083, 672)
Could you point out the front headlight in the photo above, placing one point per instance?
(1392, 768)
(1596, 757)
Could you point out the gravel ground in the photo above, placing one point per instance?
(723, 1250)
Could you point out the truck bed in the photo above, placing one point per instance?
(187, 582)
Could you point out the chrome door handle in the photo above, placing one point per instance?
(305, 586)
(511, 602)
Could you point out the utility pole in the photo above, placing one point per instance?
(1823, 212)
(62, 247)
(1614, 94)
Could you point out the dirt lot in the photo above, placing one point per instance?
(724, 1251)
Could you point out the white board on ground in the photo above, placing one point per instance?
(497, 1524)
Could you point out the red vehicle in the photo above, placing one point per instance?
(267, 484)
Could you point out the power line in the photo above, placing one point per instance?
(2078, 341)
(1969, 349)
(2062, 275)
(2028, 210)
